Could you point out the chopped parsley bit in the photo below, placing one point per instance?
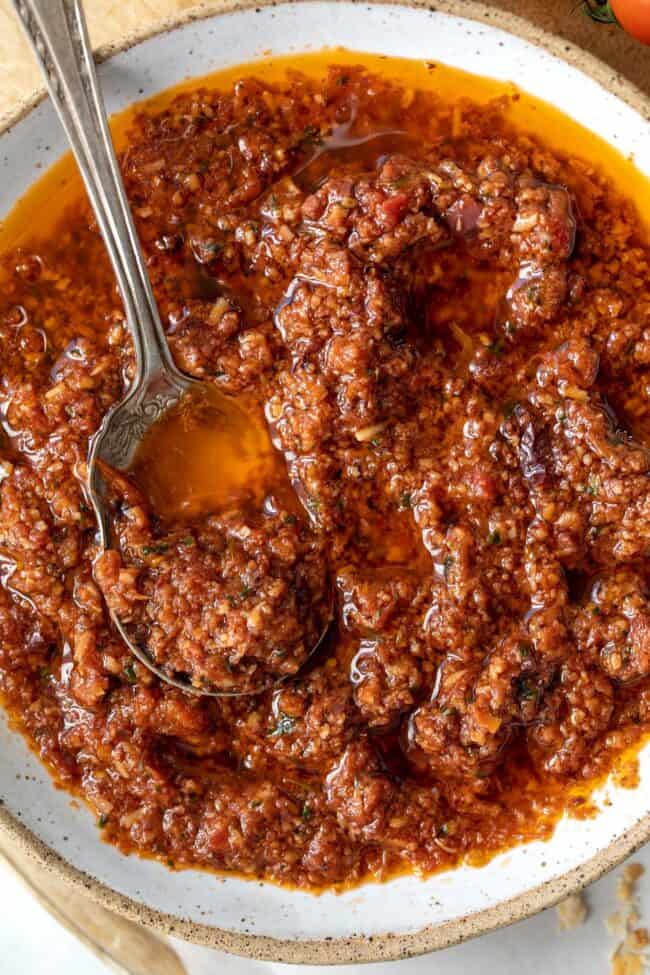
(593, 484)
(170, 863)
(447, 564)
(524, 650)
(509, 408)
(285, 726)
(130, 674)
(311, 136)
(306, 811)
(103, 819)
(289, 519)
(313, 503)
(400, 182)
(212, 247)
(256, 803)
(44, 672)
(406, 500)
(448, 712)
(595, 610)
(158, 549)
(560, 416)
(188, 540)
(616, 439)
(527, 690)
(376, 441)
(246, 591)
(494, 538)
(496, 347)
(343, 80)
(443, 830)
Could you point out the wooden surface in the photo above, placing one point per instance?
(126, 948)
(110, 19)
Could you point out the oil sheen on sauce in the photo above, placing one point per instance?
(207, 449)
(189, 465)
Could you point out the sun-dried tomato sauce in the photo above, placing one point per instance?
(441, 320)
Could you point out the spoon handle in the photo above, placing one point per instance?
(58, 34)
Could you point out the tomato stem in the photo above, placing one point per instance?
(600, 11)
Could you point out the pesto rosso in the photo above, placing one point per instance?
(444, 325)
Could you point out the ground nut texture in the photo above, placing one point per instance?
(447, 327)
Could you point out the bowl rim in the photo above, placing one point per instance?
(357, 948)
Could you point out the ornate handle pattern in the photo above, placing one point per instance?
(57, 31)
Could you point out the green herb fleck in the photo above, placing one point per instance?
(306, 812)
(246, 591)
(311, 136)
(406, 500)
(130, 674)
(446, 565)
(527, 690)
(158, 549)
(524, 651)
(494, 538)
(289, 519)
(103, 819)
(285, 726)
(443, 830)
(188, 540)
(496, 347)
(170, 863)
(593, 484)
(401, 182)
(44, 672)
(212, 247)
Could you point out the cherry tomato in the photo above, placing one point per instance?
(634, 17)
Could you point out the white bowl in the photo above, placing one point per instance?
(407, 915)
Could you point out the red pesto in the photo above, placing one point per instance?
(447, 326)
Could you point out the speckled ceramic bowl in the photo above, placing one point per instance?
(407, 916)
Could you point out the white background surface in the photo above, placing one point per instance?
(32, 943)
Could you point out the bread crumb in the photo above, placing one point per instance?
(629, 957)
(615, 924)
(627, 964)
(572, 912)
(626, 883)
(637, 939)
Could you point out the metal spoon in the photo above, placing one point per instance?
(58, 34)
